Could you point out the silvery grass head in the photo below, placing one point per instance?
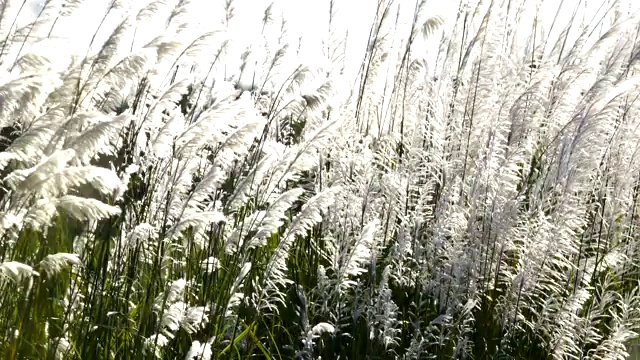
(175, 188)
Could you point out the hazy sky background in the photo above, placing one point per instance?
(307, 19)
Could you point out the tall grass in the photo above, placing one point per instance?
(190, 198)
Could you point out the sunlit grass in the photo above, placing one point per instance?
(184, 195)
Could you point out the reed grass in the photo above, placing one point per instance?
(202, 197)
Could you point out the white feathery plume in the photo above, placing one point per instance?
(27, 179)
(275, 273)
(250, 182)
(204, 43)
(154, 344)
(315, 332)
(174, 293)
(304, 156)
(322, 328)
(6, 157)
(105, 181)
(55, 263)
(198, 220)
(154, 8)
(194, 318)
(99, 139)
(62, 348)
(181, 11)
(10, 220)
(86, 209)
(21, 99)
(122, 79)
(143, 238)
(72, 127)
(166, 47)
(16, 271)
(234, 301)
(106, 57)
(169, 97)
(244, 126)
(179, 183)
(214, 124)
(8, 12)
(311, 212)
(236, 145)
(29, 147)
(210, 264)
(234, 240)
(199, 351)
(207, 186)
(142, 232)
(40, 56)
(271, 219)
(39, 215)
(173, 316)
(353, 261)
(125, 176)
(163, 142)
(318, 98)
(246, 267)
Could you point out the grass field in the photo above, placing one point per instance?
(189, 186)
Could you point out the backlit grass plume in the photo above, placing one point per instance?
(465, 185)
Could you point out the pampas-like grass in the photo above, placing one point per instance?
(184, 192)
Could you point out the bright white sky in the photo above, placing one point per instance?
(305, 18)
